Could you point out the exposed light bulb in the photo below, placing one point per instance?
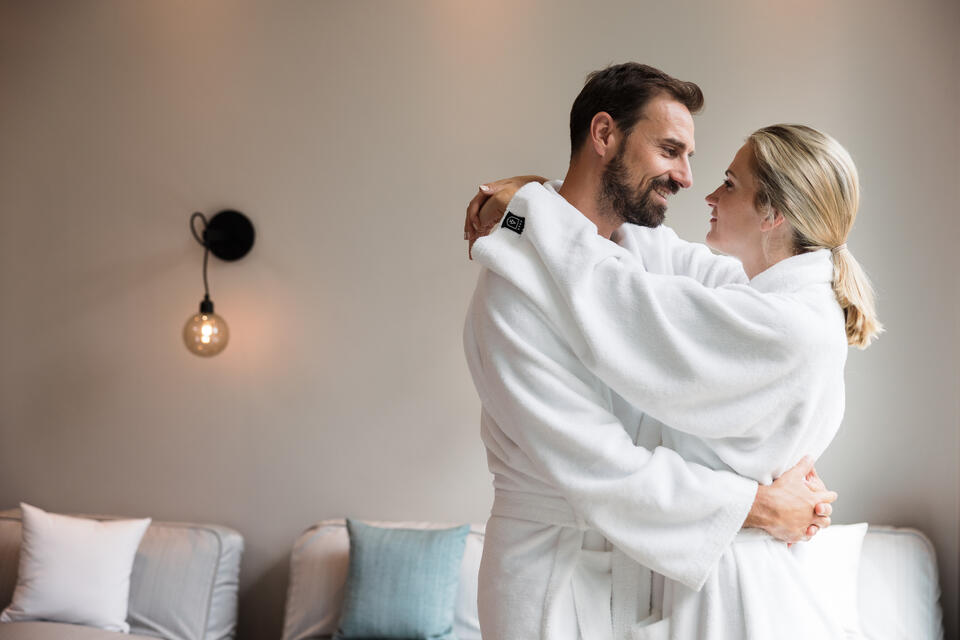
(206, 334)
(229, 236)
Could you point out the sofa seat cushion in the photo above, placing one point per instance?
(60, 631)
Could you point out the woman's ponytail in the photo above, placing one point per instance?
(811, 179)
(856, 298)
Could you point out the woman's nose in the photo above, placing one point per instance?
(712, 198)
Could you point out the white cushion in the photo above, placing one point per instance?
(832, 561)
(75, 570)
(899, 586)
(318, 572)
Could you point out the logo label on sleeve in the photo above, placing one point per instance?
(512, 222)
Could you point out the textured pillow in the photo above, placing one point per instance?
(402, 583)
(831, 560)
(74, 570)
(320, 562)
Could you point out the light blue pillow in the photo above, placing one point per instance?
(402, 582)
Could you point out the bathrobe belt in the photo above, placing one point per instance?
(597, 619)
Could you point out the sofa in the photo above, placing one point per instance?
(898, 590)
(183, 585)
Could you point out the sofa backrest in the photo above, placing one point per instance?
(184, 580)
(318, 573)
(898, 588)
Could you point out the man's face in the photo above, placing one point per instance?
(651, 164)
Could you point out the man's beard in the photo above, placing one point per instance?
(629, 205)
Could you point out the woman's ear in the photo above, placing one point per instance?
(603, 134)
(771, 220)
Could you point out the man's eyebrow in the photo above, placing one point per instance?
(678, 143)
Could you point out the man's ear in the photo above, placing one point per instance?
(604, 134)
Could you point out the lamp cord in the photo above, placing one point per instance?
(206, 249)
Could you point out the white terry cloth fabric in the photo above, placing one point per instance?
(748, 376)
(569, 476)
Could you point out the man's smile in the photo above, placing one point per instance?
(664, 190)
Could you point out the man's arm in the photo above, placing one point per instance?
(674, 517)
(660, 249)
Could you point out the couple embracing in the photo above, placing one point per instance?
(652, 411)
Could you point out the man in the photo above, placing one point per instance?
(581, 512)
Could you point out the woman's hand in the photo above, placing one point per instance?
(488, 206)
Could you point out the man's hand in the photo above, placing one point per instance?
(822, 509)
(488, 206)
(795, 506)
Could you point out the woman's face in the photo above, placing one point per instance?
(735, 222)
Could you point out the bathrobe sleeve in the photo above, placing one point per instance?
(662, 251)
(714, 363)
(669, 515)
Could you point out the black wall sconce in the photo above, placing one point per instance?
(229, 236)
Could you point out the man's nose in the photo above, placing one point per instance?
(682, 174)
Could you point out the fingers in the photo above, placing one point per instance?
(473, 210)
(471, 223)
(491, 188)
(815, 482)
(484, 211)
(490, 214)
(812, 531)
(822, 522)
(823, 509)
(804, 466)
(825, 496)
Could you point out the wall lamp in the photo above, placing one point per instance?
(229, 236)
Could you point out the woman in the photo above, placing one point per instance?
(749, 376)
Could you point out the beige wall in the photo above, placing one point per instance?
(353, 133)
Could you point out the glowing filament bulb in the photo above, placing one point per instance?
(206, 334)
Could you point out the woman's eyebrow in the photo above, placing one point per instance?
(729, 173)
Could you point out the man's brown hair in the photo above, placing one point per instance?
(623, 90)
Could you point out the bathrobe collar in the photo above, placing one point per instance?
(791, 274)
(796, 272)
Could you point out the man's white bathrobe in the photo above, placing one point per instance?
(748, 376)
(568, 476)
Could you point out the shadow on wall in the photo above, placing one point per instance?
(262, 602)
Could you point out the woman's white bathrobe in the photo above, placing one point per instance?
(568, 475)
(748, 376)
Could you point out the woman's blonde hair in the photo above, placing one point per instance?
(810, 178)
